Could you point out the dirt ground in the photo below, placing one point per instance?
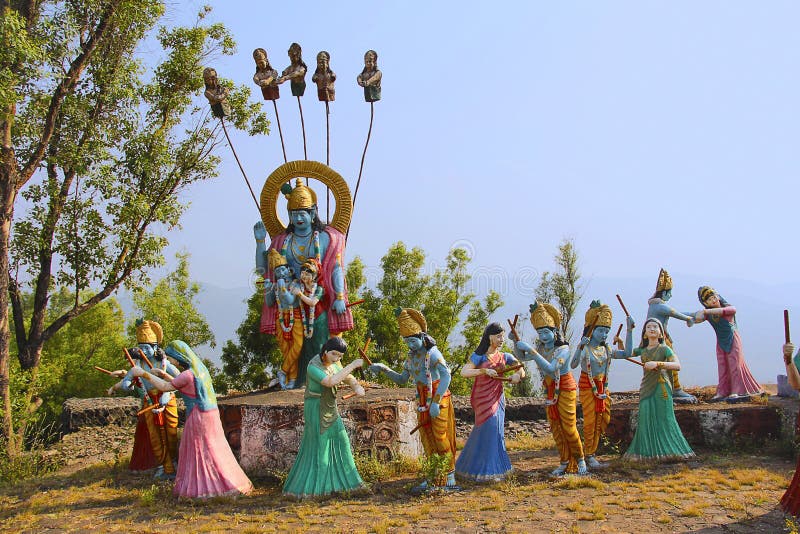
(717, 492)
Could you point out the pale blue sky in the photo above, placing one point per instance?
(653, 133)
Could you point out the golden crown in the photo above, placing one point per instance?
(149, 332)
(600, 311)
(276, 259)
(410, 321)
(664, 281)
(301, 197)
(544, 315)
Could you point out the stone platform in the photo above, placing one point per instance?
(715, 424)
(265, 429)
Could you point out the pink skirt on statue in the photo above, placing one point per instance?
(206, 464)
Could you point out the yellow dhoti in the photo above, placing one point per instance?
(290, 343)
(163, 429)
(596, 412)
(563, 420)
(438, 434)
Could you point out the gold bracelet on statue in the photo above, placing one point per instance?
(436, 398)
(339, 296)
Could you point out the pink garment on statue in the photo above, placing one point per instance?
(336, 323)
(206, 464)
(734, 375)
(486, 391)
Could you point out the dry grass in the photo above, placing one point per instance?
(592, 513)
(735, 488)
(693, 510)
(664, 519)
(528, 442)
(577, 482)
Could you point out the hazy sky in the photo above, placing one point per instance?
(653, 133)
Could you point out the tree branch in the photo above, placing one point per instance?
(126, 258)
(64, 87)
(16, 308)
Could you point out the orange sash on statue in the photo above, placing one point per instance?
(599, 404)
(566, 383)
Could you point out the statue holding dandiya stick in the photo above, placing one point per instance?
(160, 409)
(658, 436)
(594, 357)
(142, 457)
(484, 457)
(427, 367)
(658, 308)
(790, 502)
(207, 467)
(552, 357)
(735, 381)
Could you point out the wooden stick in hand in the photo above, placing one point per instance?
(627, 314)
(501, 378)
(591, 329)
(512, 368)
(513, 327)
(145, 410)
(786, 336)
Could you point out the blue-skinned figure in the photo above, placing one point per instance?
(658, 308)
(553, 358)
(290, 335)
(162, 421)
(426, 366)
(594, 357)
(307, 237)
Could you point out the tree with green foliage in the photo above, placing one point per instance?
(93, 338)
(478, 316)
(562, 287)
(100, 155)
(441, 297)
(248, 364)
(172, 303)
(357, 337)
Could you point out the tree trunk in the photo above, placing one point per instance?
(9, 177)
(7, 195)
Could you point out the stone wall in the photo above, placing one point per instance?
(103, 411)
(715, 425)
(265, 429)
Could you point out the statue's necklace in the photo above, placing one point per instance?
(308, 321)
(300, 250)
(598, 353)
